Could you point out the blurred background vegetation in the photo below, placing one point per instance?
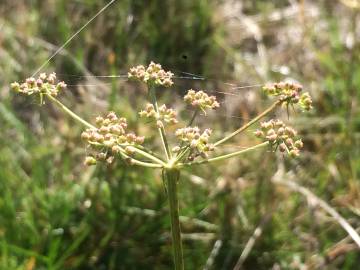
(55, 213)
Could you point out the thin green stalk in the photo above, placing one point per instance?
(171, 178)
(137, 149)
(69, 112)
(223, 157)
(193, 117)
(149, 156)
(148, 151)
(20, 251)
(257, 118)
(182, 153)
(161, 129)
(191, 221)
(165, 144)
(138, 162)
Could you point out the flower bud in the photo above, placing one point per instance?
(282, 147)
(98, 138)
(281, 131)
(289, 142)
(42, 76)
(110, 160)
(30, 82)
(89, 161)
(129, 150)
(15, 86)
(139, 140)
(159, 124)
(85, 136)
(299, 144)
(104, 130)
(116, 149)
(100, 156)
(112, 116)
(294, 153)
(272, 137)
(193, 144)
(106, 122)
(270, 132)
(107, 136)
(109, 143)
(51, 78)
(99, 120)
(61, 85)
(39, 82)
(290, 131)
(258, 133)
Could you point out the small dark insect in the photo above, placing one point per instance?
(184, 56)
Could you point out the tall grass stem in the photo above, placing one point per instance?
(171, 179)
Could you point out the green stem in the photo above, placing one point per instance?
(148, 151)
(182, 153)
(149, 156)
(134, 161)
(69, 112)
(171, 177)
(223, 157)
(161, 129)
(139, 162)
(193, 117)
(257, 118)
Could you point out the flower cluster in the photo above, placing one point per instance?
(279, 135)
(110, 134)
(153, 75)
(305, 101)
(198, 142)
(44, 84)
(165, 114)
(201, 100)
(289, 93)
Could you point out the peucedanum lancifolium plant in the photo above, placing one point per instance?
(109, 138)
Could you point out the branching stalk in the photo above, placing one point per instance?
(224, 157)
(138, 162)
(159, 163)
(161, 129)
(183, 152)
(247, 125)
(149, 156)
(70, 112)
